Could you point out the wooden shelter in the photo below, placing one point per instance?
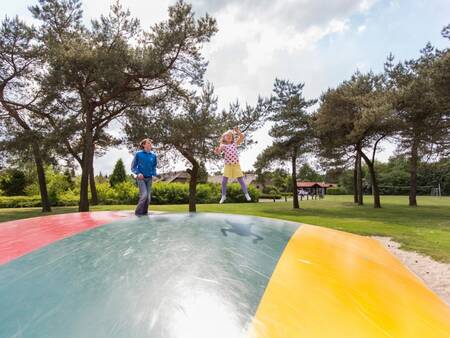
(306, 188)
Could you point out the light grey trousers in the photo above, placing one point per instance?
(145, 196)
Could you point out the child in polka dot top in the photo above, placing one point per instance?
(228, 146)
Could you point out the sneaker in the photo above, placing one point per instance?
(222, 199)
(247, 197)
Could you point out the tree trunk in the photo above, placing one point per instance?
(359, 185)
(84, 186)
(94, 195)
(413, 175)
(373, 177)
(46, 205)
(87, 163)
(193, 187)
(355, 181)
(295, 203)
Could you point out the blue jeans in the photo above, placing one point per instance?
(145, 196)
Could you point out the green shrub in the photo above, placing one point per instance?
(35, 201)
(270, 196)
(235, 194)
(57, 186)
(122, 193)
(270, 189)
(32, 189)
(208, 193)
(19, 201)
(170, 193)
(128, 193)
(13, 182)
(336, 191)
(67, 198)
(104, 191)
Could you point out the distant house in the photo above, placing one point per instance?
(313, 188)
(174, 177)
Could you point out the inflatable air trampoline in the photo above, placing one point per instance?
(110, 274)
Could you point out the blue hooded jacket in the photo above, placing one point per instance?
(144, 163)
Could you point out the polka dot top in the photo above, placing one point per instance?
(230, 153)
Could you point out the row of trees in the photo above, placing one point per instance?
(409, 103)
(393, 177)
(62, 84)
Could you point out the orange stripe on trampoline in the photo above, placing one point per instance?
(329, 283)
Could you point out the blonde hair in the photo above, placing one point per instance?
(142, 143)
(222, 138)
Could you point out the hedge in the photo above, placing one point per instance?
(127, 193)
(336, 191)
(34, 201)
(270, 196)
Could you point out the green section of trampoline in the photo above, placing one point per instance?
(179, 275)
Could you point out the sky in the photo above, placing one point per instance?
(316, 42)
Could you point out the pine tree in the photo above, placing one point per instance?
(95, 74)
(13, 182)
(69, 178)
(202, 175)
(291, 130)
(118, 175)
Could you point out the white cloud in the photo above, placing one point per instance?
(366, 5)
(361, 28)
(105, 164)
(148, 12)
(260, 40)
(361, 66)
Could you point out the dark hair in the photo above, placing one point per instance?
(141, 144)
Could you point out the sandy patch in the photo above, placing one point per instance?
(436, 275)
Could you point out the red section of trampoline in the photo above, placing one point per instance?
(17, 238)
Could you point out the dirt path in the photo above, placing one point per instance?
(436, 275)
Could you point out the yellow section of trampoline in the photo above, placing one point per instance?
(329, 283)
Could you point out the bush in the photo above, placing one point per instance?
(270, 189)
(13, 182)
(32, 189)
(128, 193)
(178, 193)
(122, 193)
(270, 196)
(208, 193)
(235, 194)
(67, 199)
(35, 201)
(57, 186)
(170, 193)
(20, 201)
(336, 191)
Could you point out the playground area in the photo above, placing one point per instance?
(213, 169)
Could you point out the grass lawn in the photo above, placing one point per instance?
(425, 229)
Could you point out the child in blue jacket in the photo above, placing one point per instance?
(144, 167)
